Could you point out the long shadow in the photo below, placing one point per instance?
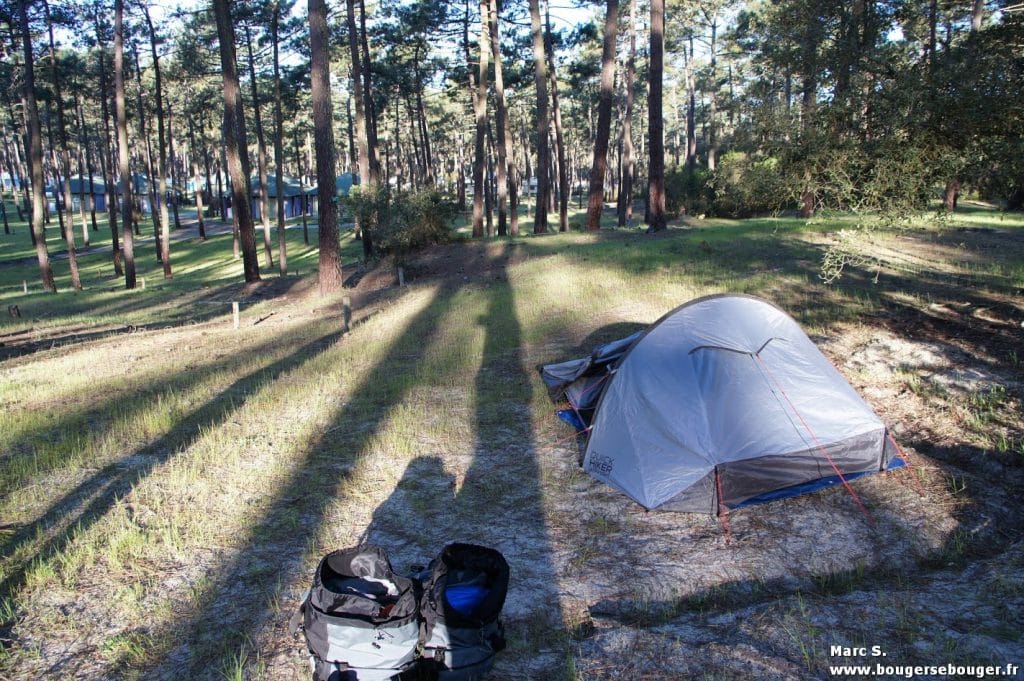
(500, 502)
(501, 496)
(71, 423)
(198, 305)
(276, 544)
(14, 346)
(83, 506)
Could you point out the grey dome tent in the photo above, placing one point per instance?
(722, 402)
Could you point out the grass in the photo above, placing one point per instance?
(204, 273)
(174, 480)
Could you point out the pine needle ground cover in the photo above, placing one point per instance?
(167, 482)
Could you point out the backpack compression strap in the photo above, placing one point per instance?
(295, 622)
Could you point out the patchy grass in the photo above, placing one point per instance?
(167, 482)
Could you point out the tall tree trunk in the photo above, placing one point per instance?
(58, 199)
(110, 189)
(14, 169)
(655, 121)
(353, 157)
(629, 163)
(3, 212)
(460, 182)
(209, 178)
(122, 147)
(691, 114)
(480, 115)
(65, 159)
(713, 98)
(421, 115)
(540, 224)
(261, 152)
(235, 140)
(488, 188)
(161, 157)
(366, 171)
(221, 168)
(323, 130)
(83, 136)
(8, 166)
(807, 199)
(305, 196)
(81, 178)
(200, 220)
(951, 195)
(172, 167)
(562, 173)
(21, 153)
(150, 171)
(35, 153)
(282, 245)
(599, 168)
(501, 120)
(372, 142)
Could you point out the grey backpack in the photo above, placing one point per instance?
(360, 618)
(464, 591)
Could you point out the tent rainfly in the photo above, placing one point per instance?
(723, 402)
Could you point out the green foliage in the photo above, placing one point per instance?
(401, 222)
(742, 187)
(687, 193)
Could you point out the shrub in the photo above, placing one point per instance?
(738, 188)
(687, 193)
(741, 188)
(401, 222)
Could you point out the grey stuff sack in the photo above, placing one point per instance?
(464, 591)
(360, 618)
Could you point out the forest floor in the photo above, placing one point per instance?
(167, 483)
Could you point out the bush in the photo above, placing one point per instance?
(741, 188)
(687, 193)
(738, 188)
(401, 222)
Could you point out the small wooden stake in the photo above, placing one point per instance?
(401, 276)
(24, 286)
(234, 312)
(143, 280)
(346, 314)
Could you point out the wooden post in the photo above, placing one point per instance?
(143, 280)
(24, 286)
(234, 313)
(401, 276)
(346, 314)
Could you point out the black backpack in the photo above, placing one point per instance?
(464, 591)
(364, 622)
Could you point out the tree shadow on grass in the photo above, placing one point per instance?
(190, 307)
(499, 503)
(240, 597)
(88, 502)
(64, 433)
